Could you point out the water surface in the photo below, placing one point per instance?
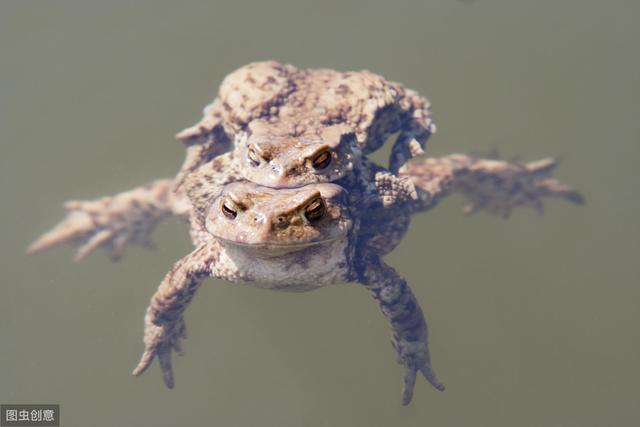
(533, 319)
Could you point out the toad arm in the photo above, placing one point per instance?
(164, 321)
(409, 327)
(204, 141)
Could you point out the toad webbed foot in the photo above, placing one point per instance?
(111, 222)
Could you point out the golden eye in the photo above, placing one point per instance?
(253, 156)
(315, 210)
(322, 160)
(229, 209)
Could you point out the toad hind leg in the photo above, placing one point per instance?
(492, 186)
(399, 306)
(164, 322)
(114, 222)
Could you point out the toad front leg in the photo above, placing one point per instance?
(164, 323)
(204, 141)
(403, 312)
(414, 132)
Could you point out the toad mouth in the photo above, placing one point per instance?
(282, 245)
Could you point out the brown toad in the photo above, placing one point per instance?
(290, 240)
(295, 126)
(304, 238)
(286, 127)
(297, 240)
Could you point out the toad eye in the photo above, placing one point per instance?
(315, 210)
(253, 156)
(229, 209)
(322, 160)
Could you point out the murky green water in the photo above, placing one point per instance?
(534, 319)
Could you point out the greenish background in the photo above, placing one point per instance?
(534, 319)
